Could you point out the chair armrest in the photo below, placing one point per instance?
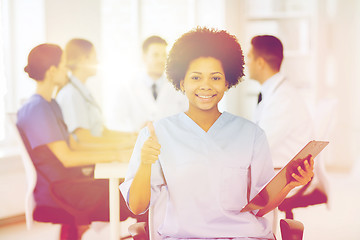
(291, 229)
(138, 231)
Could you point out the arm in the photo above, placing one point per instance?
(108, 141)
(72, 158)
(140, 189)
(303, 177)
(113, 134)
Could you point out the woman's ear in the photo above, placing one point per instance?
(227, 85)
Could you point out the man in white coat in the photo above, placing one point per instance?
(282, 113)
(149, 96)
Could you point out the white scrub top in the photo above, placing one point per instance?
(79, 108)
(208, 177)
(135, 104)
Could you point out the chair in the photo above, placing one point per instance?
(63, 215)
(30, 172)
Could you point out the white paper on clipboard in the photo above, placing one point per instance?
(283, 177)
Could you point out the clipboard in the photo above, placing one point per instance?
(267, 194)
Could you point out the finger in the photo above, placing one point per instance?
(151, 151)
(312, 162)
(151, 130)
(149, 158)
(297, 178)
(309, 166)
(153, 144)
(301, 171)
(304, 175)
(152, 161)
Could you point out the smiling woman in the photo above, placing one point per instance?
(208, 163)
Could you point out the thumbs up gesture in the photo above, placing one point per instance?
(151, 148)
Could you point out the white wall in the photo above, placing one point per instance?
(338, 74)
(67, 19)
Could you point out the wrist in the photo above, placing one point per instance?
(145, 165)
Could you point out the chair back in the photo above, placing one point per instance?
(30, 171)
(291, 229)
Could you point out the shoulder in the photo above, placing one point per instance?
(35, 107)
(170, 120)
(237, 120)
(35, 103)
(170, 125)
(287, 90)
(67, 92)
(290, 98)
(237, 126)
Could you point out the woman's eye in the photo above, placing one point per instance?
(216, 78)
(195, 77)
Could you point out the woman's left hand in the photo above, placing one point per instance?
(304, 175)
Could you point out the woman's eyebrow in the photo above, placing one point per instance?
(216, 73)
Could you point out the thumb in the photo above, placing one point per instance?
(151, 130)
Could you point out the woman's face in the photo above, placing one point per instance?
(204, 83)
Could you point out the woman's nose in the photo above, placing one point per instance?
(205, 85)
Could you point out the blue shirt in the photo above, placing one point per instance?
(208, 176)
(40, 122)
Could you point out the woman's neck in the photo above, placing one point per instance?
(45, 89)
(204, 118)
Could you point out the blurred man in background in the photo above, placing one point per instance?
(149, 96)
(283, 115)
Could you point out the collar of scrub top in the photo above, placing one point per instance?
(82, 89)
(271, 85)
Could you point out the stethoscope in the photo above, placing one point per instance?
(91, 101)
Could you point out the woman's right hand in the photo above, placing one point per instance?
(151, 148)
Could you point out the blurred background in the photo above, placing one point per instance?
(322, 58)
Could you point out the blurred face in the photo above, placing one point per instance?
(251, 64)
(155, 60)
(60, 73)
(90, 63)
(204, 84)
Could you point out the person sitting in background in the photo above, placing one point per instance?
(149, 96)
(82, 114)
(283, 115)
(208, 163)
(63, 193)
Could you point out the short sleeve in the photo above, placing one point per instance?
(41, 126)
(262, 169)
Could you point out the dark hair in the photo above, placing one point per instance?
(41, 58)
(270, 48)
(204, 42)
(75, 49)
(152, 40)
